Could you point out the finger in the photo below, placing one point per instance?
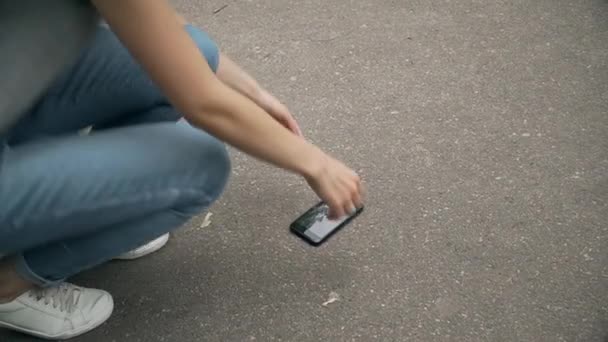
(293, 126)
(357, 199)
(298, 131)
(349, 208)
(353, 186)
(348, 204)
(286, 122)
(297, 128)
(335, 210)
(361, 191)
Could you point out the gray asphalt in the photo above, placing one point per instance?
(481, 129)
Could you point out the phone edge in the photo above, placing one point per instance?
(302, 236)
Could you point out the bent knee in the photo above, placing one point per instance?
(217, 166)
(209, 168)
(206, 45)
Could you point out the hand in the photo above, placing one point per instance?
(279, 112)
(337, 185)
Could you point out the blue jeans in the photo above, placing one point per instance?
(69, 202)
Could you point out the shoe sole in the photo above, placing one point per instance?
(64, 336)
(134, 256)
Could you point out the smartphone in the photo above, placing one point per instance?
(315, 227)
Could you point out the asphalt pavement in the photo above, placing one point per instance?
(481, 130)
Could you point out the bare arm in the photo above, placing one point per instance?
(154, 35)
(238, 79)
(232, 74)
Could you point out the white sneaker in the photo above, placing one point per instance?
(57, 313)
(146, 249)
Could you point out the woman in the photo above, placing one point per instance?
(70, 202)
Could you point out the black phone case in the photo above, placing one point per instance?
(294, 229)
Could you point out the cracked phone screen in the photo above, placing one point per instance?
(317, 223)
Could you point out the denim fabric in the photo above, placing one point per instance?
(68, 201)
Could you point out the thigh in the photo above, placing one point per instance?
(69, 186)
(106, 87)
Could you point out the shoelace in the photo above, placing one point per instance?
(63, 297)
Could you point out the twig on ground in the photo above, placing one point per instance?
(220, 9)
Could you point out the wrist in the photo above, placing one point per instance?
(312, 163)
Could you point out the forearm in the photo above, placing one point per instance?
(232, 74)
(236, 78)
(240, 122)
(156, 39)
